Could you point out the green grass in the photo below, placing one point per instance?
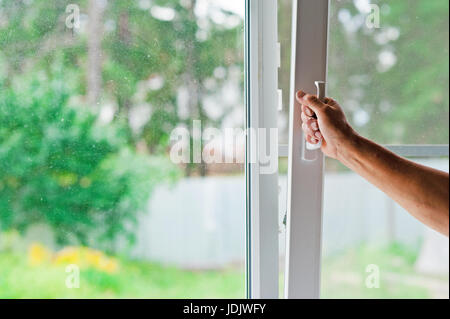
(343, 276)
(133, 280)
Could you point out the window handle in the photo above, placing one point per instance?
(320, 85)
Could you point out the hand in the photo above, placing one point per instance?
(331, 126)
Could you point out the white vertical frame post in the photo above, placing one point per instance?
(262, 181)
(305, 176)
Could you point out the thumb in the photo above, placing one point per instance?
(310, 101)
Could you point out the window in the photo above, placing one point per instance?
(95, 96)
(139, 156)
(393, 84)
(394, 89)
(262, 62)
(365, 234)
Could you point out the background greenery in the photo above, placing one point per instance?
(58, 164)
(59, 167)
(408, 101)
(405, 103)
(344, 277)
(62, 165)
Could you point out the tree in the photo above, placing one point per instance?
(392, 80)
(60, 167)
(172, 52)
(138, 47)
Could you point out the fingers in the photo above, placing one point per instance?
(311, 129)
(310, 122)
(307, 130)
(329, 101)
(318, 135)
(307, 110)
(305, 117)
(311, 140)
(310, 101)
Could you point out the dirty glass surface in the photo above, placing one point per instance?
(385, 70)
(95, 199)
(390, 75)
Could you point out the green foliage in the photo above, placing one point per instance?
(58, 166)
(133, 280)
(407, 102)
(136, 47)
(343, 277)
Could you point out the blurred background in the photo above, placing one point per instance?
(86, 115)
(392, 82)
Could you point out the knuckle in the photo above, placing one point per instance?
(304, 117)
(328, 111)
(310, 98)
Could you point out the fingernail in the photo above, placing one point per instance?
(308, 112)
(314, 126)
(313, 140)
(318, 135)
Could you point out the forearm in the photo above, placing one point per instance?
(422, 191)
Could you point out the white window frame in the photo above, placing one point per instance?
(305, 177)
(305, 173)
(261, 59)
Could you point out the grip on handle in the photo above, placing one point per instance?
(320, 85)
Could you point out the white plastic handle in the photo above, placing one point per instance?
(320, 85)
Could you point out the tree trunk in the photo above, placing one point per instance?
(125, 39)
(95, 36)
(194, 86)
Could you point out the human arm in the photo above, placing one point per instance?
(422, 191)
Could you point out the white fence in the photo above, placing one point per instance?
(200, 222)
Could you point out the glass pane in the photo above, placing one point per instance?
(388, 67)
(384, 69)
(367, 236)
(94, 99)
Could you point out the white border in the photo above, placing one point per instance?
(262, 189)
(305, 177)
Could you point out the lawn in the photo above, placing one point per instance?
(133, 279)
(343, 276)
